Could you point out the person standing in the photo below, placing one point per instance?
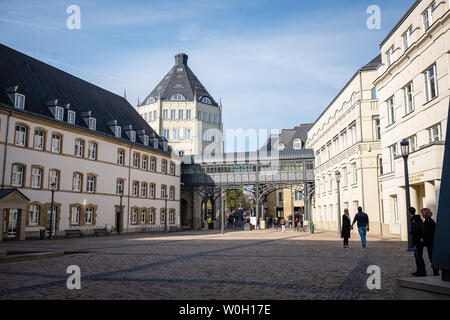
(417, 232)
(283, 225)
(363, 226)
(346, 228)
(428, 235)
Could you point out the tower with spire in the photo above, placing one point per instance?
(182, 110)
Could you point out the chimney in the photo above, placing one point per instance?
(181, 58)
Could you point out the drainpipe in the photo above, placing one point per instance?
(129, 183)
(361, 130)
(6, 151)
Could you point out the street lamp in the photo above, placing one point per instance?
(405, 154)
(119, 221)
(338, 183)
(50, 231)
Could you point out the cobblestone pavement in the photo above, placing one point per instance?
(250, 265)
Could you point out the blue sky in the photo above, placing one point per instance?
(274, 64)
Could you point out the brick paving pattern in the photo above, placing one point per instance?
(248, 265)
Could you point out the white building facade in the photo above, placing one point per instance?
(90, 144)
(413, 90)
(346, 139)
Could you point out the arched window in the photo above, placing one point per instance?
(18, 172)
(297, 144)
(281, 147)
(177, 97)
(91, 181)
(21, 135)
(206, 100)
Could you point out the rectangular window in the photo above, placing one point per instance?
(188, 114)
(144, 190)
(180, 114)
(391, 110)
(90, 184)
(135, 189)
(71, 117)
(35, 211)
(21, 136)
(280, 196)
(173, 114)
(354, 134)
(431, 85)
(205, 116)
(345, 177)
(144, 163)
(17, 177)
(135, 160)
(407, 39)
(79, 148)
(152, 191)
(163, 216)
(56, 143)
(165, 114)
(354, 173)
(187, 134)
(435, 133)
(152, 164)
(89, 215)
(164, 166)
(36, 178)
(176, 134)
(392, 156)
(119, 186)
(389, 56)
(54, 179)
(409, 98)
(143, 216)
(39, 138)
(19, 101)
(59, 113)
(199, 116)
(152, 216)
(92, 152)
(76, 215)
(167, 134)
(394, 204)
(117, 132)
(120, 157)
(412, 143)
(428, 17)
(76, 184)
(133, 136)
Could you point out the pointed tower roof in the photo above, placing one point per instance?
(180, 81)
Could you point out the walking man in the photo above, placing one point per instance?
(363, 226)
(283, 225)
(417, 231)
(428, 236)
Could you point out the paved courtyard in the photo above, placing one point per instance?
(249, 265)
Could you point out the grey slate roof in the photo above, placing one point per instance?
(287, 137)
(180, 80)
(40, 83)
(5, 192)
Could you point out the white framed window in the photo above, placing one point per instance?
(344, 177)
(120, 157)
(164, 166)
(35, 213)
(133, 136)
(117, 131)
(54, 178)
(92, 124)
(39, 139)
(152, 190)
(171, 217)
(134, 214)
(144, 190)
(172, 193)
(180, 114)
(18, 172)
(91, 180)
(431, 85)
(177, 97)
(36, 178)
(354, 173)
(176, 134)
(188, 114)
(21, 135)
(71, 117)
(281, 147)
(392, 156)
(199, 116)
(152, 216)
(354, 134)
(394, 205)
(172, 168)
(89, 215)
(412, 143)
(136, 160)
(297, 144)
(390, 56)
(19, 101)
(173, 114)
(409, 98)
(165, 114)
(163, 192)
(56, 143)
(143, 216)
(59, 113)
(145, 163)
(146, 140)
(77, 182)
(135, 190)
(166, 134)
(163, 216)
(79, 148)
(187, 134)
(407, 38)
(92, 152)
(152, 164)
(428, 17)
(391, 110)
(435, 133)
(76, 212)
(119, 186)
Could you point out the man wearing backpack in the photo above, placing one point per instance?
(417, 231)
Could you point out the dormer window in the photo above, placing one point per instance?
(206, 100)
(59, 113)
(145, 140)
(133, 136)
(19, 101)
(151, 100)
(117, 131)
(71, 117)
(177, 97)
(92, 124)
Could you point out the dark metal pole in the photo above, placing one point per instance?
(408, 203)
(165, 215)
(222, 210)
(119, 222)
(339, 208)
(51, 215)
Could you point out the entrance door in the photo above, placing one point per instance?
(12, 223)
(118, 226)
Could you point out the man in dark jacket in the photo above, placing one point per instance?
(428, 235)
(363, 225)
(417, 231)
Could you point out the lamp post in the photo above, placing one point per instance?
(50, 231)
(165, 213)
(338, 184)
(405, 154)
(119, 221)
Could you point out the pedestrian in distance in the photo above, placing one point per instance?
(428, 236)
(283, 225)
(346, 228)
(363, 226)
(417, 234)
